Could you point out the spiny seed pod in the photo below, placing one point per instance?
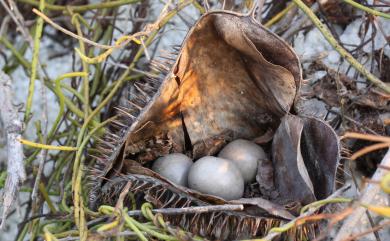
(174, 167)
(245, 155)
(216, 176)
(232, 79)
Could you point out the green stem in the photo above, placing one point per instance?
(367, 9)
(63, 200)
(74, 92)
(345, 54)
(61, 98)
(69, 103)
(81, 8)
(85, 89)
(323, 202)
(46, 197)
(79, 211)
(34, 62)
(146, 229)
(23, 233)
(15, 53)
(131, 224)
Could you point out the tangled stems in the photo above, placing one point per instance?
(138, 228)
(78, 165)
(81, 8)
(345, 54)
(76, 184)
(61, 98)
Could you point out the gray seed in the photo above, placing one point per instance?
(174, 167)
(246, 155)
(216, 176)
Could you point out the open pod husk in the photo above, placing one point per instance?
(232, 78)
(305, 155)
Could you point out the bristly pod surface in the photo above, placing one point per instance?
(232, 79)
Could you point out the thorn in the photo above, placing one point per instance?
(112, 134)
(160, 66)
(119, 123)
(170, 58)
(155, 80)
(110, 138)
(135, 105)
(125, 111)
(176, 47)
(141, 91)
(145, 86)
(109, 144)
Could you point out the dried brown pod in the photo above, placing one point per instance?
(305, 154)
(232, 79)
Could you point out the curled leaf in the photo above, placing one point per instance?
(291, 178)
(305, 156)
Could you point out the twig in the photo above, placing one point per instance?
(301, 22)
(13, 126)
(56, 26)
(371, 230)
(367, 137)
(369, 149)
(279, 15)
(367, 9)
(187, 210)
(345, 54)
(272, 235)
(4, 25)
(13, 11)
(46, 147)
(368, 194)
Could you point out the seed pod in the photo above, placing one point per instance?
(306, 165)
(232, 79)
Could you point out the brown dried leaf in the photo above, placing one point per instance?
(320, 148)
(291, 178)
(305, 155)
(261, 207)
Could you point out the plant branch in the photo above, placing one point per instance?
(13, 126)
(186, 210)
